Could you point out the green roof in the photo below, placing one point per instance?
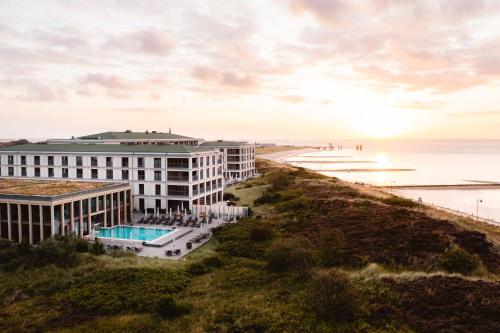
(222, 143)
(127, 135)
(103, 148)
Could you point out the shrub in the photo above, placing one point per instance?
(457, 260)
(267, 198)
(213, 261)
(97, 248)
(332, 296)
(198, 268)
(60, 252)
(81, 245)
(398, 201)
(279, 180)
(331, 245)
(167, 307)
(261, 232)
(230, 197)
(292, 255)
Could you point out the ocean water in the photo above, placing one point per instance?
(410, 163)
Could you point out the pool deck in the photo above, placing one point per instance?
(175, 240)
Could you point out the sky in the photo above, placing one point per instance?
(272, 70)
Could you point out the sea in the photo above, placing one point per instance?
(462, 175)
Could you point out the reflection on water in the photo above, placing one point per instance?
(440, 163)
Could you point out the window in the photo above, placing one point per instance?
(23, 160)
(201, 174)
(79, 161)
(50, 160)
(109, 161)
(208, 160)
(125, 162)
(11, 171)
(141, 175)
(157, 204)
(140, 162)
(51, 172)
(158, 175)
(64, 160)
(10, 159)
(208, 173)
(37, 160)
(109, 174)
(23, 172)
(37, 171)
(79, 173)
(94, 173)
(157, 163)
(141, 188)
(201, 161)
(213, 159)
(65, 172)
(93, 161)
(124, 174)
(158, 189)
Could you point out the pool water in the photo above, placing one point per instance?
(132, 233)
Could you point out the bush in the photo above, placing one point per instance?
(398, 201)
(167, 307)
(279, 180)
(230, 197)
(60, 252)
(292, 255)
(261, 232)
(198, 268)
(331, 245)
(457, 260)
(81, 245)
(213, 261)
(97, 248)
(332, 296)
(267, 198)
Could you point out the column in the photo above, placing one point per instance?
(105, 211)
(89, 211)
(72, 217)
(40, 210)
(19, 224)
(63, 231)
(119, 206)
(52, 223)
(0, 221)
(9, 222)
(80, 224)
(30, 221)
(131, 205)
(124, 206)
(112, 209)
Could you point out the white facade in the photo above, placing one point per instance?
(159, 180)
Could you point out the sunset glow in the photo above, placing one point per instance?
(263, 70)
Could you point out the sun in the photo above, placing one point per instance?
(382, 124)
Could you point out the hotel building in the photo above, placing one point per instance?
(40, 209)
(161, 176)
(239, 158)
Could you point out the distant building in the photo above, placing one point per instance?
(239, 158)
(162, 177)
(40, 209)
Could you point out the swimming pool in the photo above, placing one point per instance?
(132, 233)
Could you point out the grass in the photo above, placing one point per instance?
(324, 257)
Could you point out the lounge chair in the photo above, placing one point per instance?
(137, 249)
(177, 252)
(129, 248)
(169, 253)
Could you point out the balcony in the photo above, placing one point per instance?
(178, 165)
(179, 193)
(195, 177)
(195, 165)
(178, 178)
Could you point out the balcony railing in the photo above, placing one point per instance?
(195, 165)
(195, 192)
(178, 178)
(178, 165)
(195, 177)
(179, 193)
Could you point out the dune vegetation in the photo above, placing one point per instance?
(317, 255)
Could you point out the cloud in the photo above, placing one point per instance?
(295, 99)
(152, 42)
(326, 11)
(29, 90)
(224, 78)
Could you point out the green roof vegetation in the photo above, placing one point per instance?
(103, 148)
(222, 143)
(128, 135)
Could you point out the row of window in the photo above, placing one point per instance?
(171, 162)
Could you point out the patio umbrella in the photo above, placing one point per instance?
(170, 212)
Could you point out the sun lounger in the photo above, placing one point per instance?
(137, 249)
(169, 253)
(177, 252)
